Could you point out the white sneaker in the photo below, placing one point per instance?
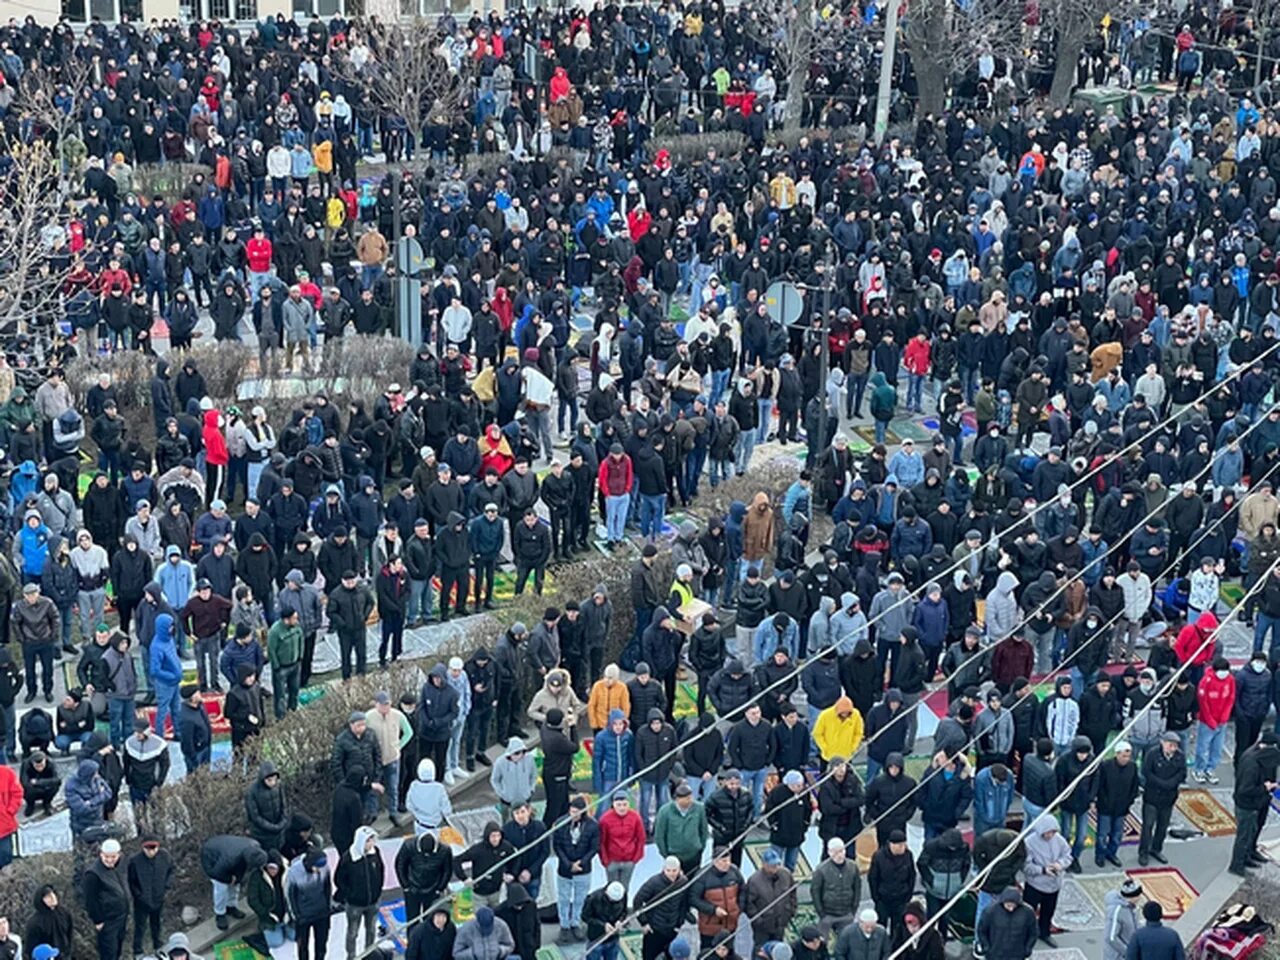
(1212, 778)
(458, 773)
(449, 778)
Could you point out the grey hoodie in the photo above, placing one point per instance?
(1120, 926)
(1002, 615)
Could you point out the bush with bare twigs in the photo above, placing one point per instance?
(209, 802)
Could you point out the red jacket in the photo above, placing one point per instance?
(11, 801)
(620, 471)
(1217, 698)
(915, 356)
(215, 444)
(1191, 645)
(258, 253)
(621, 838)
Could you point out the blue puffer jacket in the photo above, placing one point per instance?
(1253, 692)
(932, 619)
(733, 530)
(945, 799)
(86, 794)
(484, 537)
(165, 666)
(612, 754)
(34, 543)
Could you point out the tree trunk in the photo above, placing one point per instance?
(801, 54)
(931, 55)
(1066, 58)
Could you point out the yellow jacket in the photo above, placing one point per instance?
(836, 737)
(606, 696)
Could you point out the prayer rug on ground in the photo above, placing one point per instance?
(1206, 813)
(1132, 831)
(1076, 910)
(1060, 953)
(393, 918)
(234, 950)
(1096, 886)
(1169, 886)
(755, 851)
(868, 433)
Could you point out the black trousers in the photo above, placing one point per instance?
(143, 918)
(111, 938)
(451, 577)
(348, 644)
(655, 944)
(1044, 904)
(557, 799)
(1155, 824)
(438, 752)
(318, 929)
(522, 576)
(561, 533)
(1248, 826)
(308, 654)
(510, 709)
(485, 569)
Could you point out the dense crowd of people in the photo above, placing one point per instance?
(1086, 301)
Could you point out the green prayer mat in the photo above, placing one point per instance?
(234, 950)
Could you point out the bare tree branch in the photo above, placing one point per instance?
(946, 38)
(407, 70)
(797, 34)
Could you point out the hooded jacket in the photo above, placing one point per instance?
(1120, 925)
(1044, 851)
(1002, 616)
(265, 809)
(359, 877)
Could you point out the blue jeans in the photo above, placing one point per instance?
(571, 894)
(1074, 828)
(754, 781)
(1110, 835)
(120, 712)
(647, 794)
(6, 851)
(719, 381)
(420, 601)
(789, 855)
(881, 427)
(1209, 746)
(652, 508)
(1031, 812)
(765, 407)
(730, 583)
(721, 470)
(276, 936)
(391, 780)
(167, 704)
(746, 447)
(63, 742)
(873, 768)
(915, 390)
(1262, 626)
(606, 951)
(984, 900)
(224, 895)
(615, 516)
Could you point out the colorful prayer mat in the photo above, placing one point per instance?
(755, 851)
(394, 919)
(1096, 886)
(234, 950)
(1206, 813)
(1076, 910)
(1169, 886)
(1132, 831)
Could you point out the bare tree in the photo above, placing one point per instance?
(946, 38)
(797, 35)
(407, 70)
(1075, 23)
(37, 189)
